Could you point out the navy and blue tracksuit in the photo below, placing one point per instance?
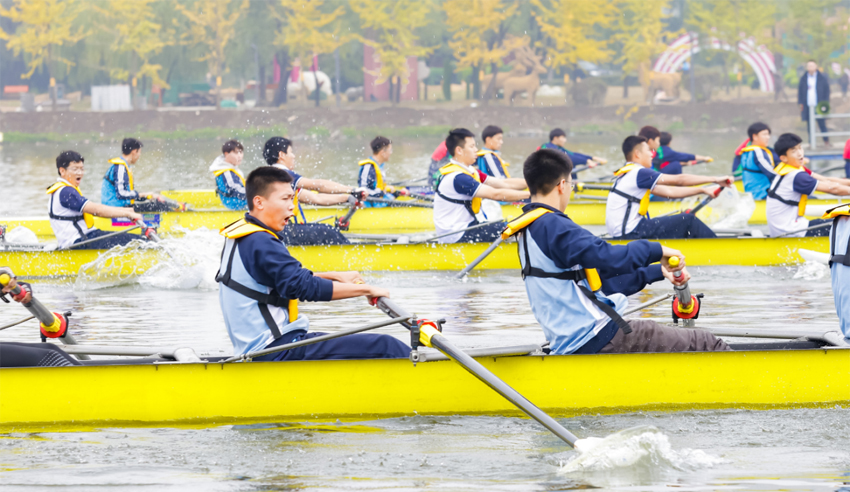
(668, 161)
(576, 158)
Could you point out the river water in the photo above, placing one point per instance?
(791, 449)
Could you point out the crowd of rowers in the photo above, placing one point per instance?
(577, 283)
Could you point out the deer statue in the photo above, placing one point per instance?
(526, 83)
(652, 82)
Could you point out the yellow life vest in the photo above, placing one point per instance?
(242, 228)
(836, 213)
(378, 176)
(767, 151)
(644, 202)
(89, 218)
(505, 164)
(121, 162)
(783, 170)
(231, 169)
(518, 224)
(475, 203)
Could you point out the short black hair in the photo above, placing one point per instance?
(66, 158)
(666, 138)
(259, 180)
(130, 144)
(456, 139)
(490, 131)
(757, 128)
(544, 169)
(378, 143)
(786, 142)
(230, 146)
(274, 146)
(630, 143)
(649, 132)
(557, 132)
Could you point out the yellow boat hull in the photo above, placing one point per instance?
(208, 394)
(407, 257)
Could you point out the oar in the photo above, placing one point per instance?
(420, 196)
(685, 306)
(111, 234)
(586, 186)
(398, 203)
(807, 229)
(495, 244)
(409, 182)
(476, 226)
(430, 337)
(321, 338)
(53, 325)
(579, 169)
(705, 202)
(343, 223)
(148, 231)
(178, 206)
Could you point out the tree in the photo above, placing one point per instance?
(574, 29)
(309, 31)
(211, 25)
(638, 31)
(135, 31)
(479, 29)
(819, 30)
(394, 41)
(45, 26)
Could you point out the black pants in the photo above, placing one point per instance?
(847, 168)
(821, 123)
(823, 231)
(117, 240)
(312, 235)
(141, 206)
(485, 234)
(34, 355)
(357, 346)
(679, 226)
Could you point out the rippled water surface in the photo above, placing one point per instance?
(794, 449)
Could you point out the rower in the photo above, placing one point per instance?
(557, 141)
(229, 180)
(758, 161)
(839, 263)
(118, 189)
(789, 192)
(371, 174)
(668, 161)
(577, 283)
(457, 204)
(27, 354)
(626, 212)
(278, 152)
(261, 283)
(490, 160)
(72, 215)
(439, 158)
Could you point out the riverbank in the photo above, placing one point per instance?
(365, 120)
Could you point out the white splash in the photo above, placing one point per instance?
(811, 270)
(731, 209)
(638, 449)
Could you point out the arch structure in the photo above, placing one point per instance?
(759, 58)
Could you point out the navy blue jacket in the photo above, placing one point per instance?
(668, 161)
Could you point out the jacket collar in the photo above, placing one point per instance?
(531, 206)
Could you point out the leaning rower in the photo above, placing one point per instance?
(371, 173)
(278, 153)
(558, 140)
(839, 263)
(626, 212)
(577, 283)
(457, 204)
(490, 160)
(118, 189)
(261, 283)
(72, 214)
(229, 180)
(789, 192)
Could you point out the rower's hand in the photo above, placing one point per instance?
(666, 253)
(346, 277)
(601, 160)
(683, 278)
(376, 292)
(134, 215)
(591, 163)
(26, 289)
(709, 191)
(724, 181)
(401, 192)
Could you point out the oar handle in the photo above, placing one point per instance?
(685, 305)
(148, 231)
(587, 186)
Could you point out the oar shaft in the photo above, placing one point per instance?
(111, 234)
(807, 229)
(398, 203)
(476, 226)
(480, 258)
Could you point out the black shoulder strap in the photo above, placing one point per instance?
(576, 276)
(74, 219)
(835, 258)
(630, 199)
(771, 192)
(465, 203)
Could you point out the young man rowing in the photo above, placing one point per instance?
(577, 283)
(118, 189)
(261, 283)
(626, 213)
(789, 192)
(457, 204)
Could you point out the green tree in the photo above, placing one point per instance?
(819, 30)
(638, 30)
(44, 27)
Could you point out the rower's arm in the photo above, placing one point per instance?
(632, 283)
(324, 186)
(833, 188)
(841, 181)
(502, 195)
(322, 198)
(101, 210)
(691, 180)
(507, 183)
(679, 191)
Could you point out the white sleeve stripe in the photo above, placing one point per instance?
(764, 163)
(120, 176)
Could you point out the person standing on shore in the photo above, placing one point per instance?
(812, 91)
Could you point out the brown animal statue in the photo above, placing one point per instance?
(527, 83)
(653, 82)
